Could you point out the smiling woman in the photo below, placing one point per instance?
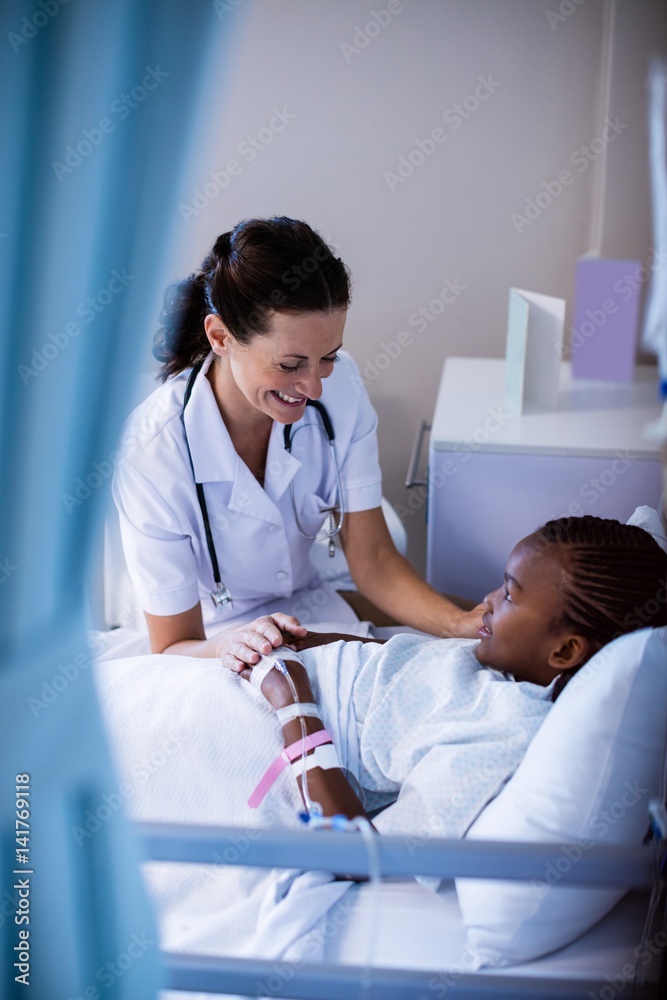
(223, 501)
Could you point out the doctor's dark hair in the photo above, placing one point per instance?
(260, 266)
(615, 580)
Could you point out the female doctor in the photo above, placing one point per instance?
(231, 471)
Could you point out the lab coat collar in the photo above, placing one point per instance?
(215, 460)
(281, 466)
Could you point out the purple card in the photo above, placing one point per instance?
(603, 335)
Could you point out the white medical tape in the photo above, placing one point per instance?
(261, 669)
(296, 710)
(325, 756)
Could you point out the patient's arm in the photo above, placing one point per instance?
(324, 638)
(330, 788)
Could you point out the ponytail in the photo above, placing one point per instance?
(181, 342)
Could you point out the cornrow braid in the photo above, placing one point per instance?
(615, 580)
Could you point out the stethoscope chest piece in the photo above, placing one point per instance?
(221, 596)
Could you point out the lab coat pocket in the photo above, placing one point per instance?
(314, 512)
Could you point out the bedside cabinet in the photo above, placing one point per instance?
(495, 476)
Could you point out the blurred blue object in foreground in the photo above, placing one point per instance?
(99, 101)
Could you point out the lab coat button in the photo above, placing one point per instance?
(281, 574)
(273, 527)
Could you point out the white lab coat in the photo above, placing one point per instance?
(264, 559)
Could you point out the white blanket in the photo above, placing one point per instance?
(418, 721)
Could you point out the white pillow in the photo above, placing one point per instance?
(587, 777)
(649, 519)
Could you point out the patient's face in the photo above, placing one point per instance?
(518, 635)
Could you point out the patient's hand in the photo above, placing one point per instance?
(276, 689)
(243, 645)
(469, 624)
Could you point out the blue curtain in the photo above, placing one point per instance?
(99, 102)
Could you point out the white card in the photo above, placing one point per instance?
(534, 347)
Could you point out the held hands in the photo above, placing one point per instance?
(243, 645)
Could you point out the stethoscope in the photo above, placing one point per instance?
(221, 595)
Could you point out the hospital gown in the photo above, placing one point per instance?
(436, 734)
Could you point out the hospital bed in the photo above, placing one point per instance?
(400, 939)
(420, 935)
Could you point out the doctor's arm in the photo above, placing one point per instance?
(387, 579)
(235, 647)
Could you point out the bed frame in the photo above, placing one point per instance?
(304, 850)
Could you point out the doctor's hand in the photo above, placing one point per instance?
(469, 624)
(243, 645)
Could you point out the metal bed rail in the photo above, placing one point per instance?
(398, 856)
(238, 976)
(600, 866)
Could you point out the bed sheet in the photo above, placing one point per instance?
(424, 930)
(421, 930)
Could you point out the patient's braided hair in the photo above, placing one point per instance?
(615, 579)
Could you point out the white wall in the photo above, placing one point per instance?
(356, 112)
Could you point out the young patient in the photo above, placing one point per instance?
(433, 721)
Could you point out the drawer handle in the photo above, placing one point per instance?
(415, 457)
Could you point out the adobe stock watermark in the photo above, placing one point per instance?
(623, 289)
(292, 279)
(565, 9)
(31, 26)
(7, 568)
(283, 972)
(597, 486)
(454, 117)
(247, 151)
(444, 981)
(65, 675)
(644, 954)
(120, 107)
(310, 604)
(377, 22)
(641, 616)
(420, 319)
(495, 419)
(110, 802)
(225, 7)
(133, 440)
(605, 820)
(114, 969)
(581, 158)
(57, 340)
(487, 777)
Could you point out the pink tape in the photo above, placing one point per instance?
(289, 754)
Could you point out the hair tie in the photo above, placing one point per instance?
(223, 245)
